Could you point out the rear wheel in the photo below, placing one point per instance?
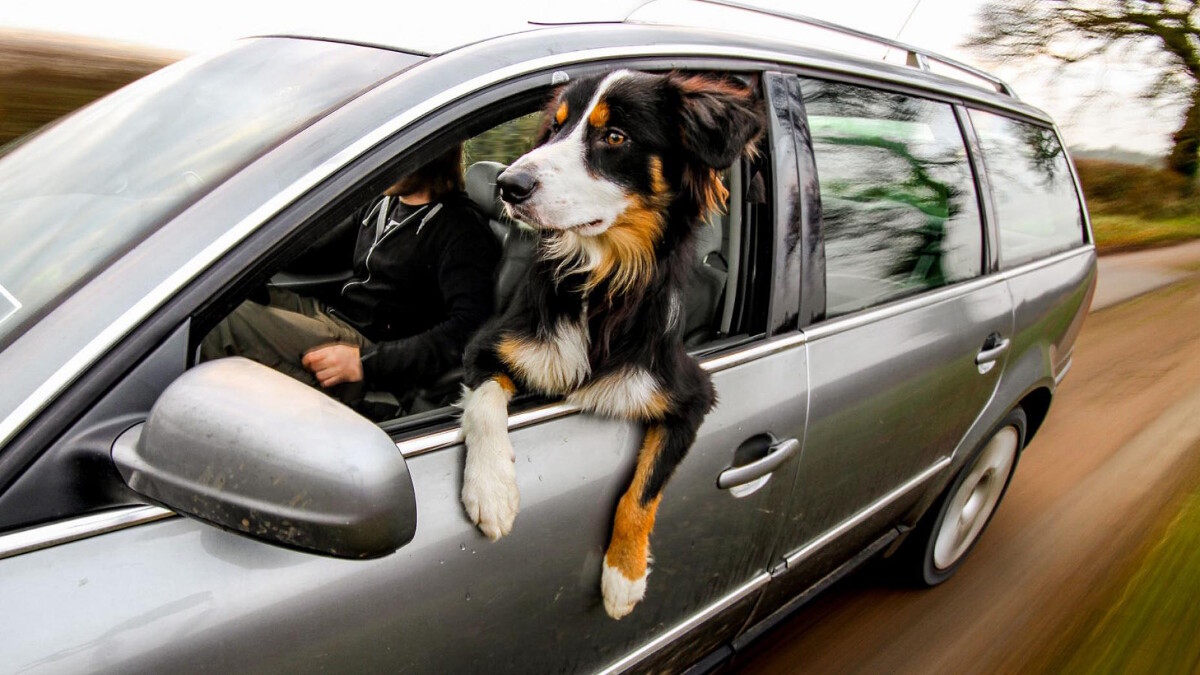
(947, 533)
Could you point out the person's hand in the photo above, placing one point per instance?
(334, 364)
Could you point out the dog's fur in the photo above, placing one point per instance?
(626, 169)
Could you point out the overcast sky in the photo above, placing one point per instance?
(1117, 117)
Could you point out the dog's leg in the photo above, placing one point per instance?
(626, 563)
(489, 490)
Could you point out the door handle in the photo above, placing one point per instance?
(990, 354)
(777, 454)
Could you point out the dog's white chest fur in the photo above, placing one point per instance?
(554, 364)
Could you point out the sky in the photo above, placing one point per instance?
(1115, 116)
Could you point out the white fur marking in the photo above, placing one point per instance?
(557, 364)
(675, 313)
(568, 196)
(620, 594)
(489, 490)
(625, 394)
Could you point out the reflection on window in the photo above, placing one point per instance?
(897, 195)
(1037, 209)
(506, 142)
(85, 190)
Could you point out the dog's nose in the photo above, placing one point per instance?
(516, 185)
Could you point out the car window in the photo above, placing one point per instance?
(719, 307)
(80, 193)
(898, 197)
(1037, 207)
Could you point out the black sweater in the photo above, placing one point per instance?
(424, 291)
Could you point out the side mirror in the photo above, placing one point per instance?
(246, 448)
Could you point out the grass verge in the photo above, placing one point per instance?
(1152, 623)
(1121, 232)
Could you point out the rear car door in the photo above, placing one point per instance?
(911, 344)
(1043, 236)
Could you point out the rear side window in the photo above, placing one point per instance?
(1037, 208)
(897, 194)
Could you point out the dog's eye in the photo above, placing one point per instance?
(615, 137)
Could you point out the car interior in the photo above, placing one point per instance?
(722, 301)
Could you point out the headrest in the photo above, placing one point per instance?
(481, 187)
(710, 236)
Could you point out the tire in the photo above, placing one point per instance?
(952, 526)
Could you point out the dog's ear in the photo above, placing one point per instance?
(720, 119)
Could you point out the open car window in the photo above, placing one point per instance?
(725, 301)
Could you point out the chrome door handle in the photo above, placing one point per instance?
(777, 454)
(990, 354)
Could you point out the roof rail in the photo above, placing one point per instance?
(916, 57)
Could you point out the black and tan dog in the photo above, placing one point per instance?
(627, 169)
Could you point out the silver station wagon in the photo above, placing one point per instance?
(886, 308)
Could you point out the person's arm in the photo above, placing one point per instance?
(466, 268)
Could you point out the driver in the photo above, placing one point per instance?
(423, 260)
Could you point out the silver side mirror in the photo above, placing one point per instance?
(243, 447)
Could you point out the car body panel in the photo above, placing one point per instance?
(897, 403)
(183, 596)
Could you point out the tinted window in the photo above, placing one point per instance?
(90, 187)
(897, 194)
(1037, 209)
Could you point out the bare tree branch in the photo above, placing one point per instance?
(1072, 31)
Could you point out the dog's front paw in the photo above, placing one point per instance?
(621, 594)
(490, 494)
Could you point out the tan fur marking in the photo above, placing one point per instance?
(506, 384)
(657, 182)
(599, 115)
(627, 258)
(707, 188)
(508, 348)
(629, 549)
(656, 407)
(560, 115)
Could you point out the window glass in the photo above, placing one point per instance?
(83, 191)
(1037, 208)
(897, 194)
(506, 142)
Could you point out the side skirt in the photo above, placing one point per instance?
(872, 550)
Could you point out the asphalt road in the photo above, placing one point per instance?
(1121, 442)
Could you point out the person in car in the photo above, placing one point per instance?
(423, 261)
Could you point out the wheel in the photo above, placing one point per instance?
(951, 528)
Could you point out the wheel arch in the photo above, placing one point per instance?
(1036, 405)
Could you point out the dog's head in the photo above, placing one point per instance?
(621, 148)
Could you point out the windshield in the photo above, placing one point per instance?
(89, 188)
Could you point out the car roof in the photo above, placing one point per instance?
(445, 26)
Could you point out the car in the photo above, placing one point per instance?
(886, 307)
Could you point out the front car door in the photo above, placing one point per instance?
(178, 594)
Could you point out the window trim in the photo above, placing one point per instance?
(15, 427)
(870, 315)
(425, 441)
(983, 190)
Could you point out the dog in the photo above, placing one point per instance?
(624, 172)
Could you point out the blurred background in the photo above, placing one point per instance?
(1093, 564)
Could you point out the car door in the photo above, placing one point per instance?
(912, 341)
(178, 594)
(532, 599)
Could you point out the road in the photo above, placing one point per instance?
(1121, 442)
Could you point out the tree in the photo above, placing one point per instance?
(1071, 31)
